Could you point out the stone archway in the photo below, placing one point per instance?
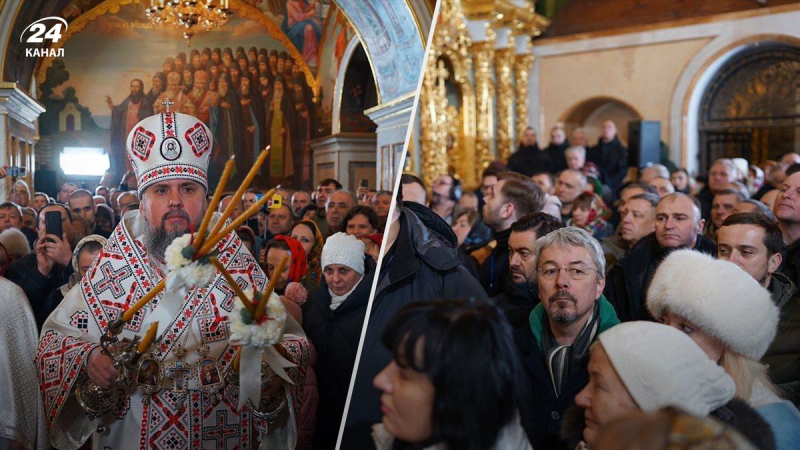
(590, 115)
(750, 108)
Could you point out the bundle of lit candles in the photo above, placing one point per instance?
(203, 246)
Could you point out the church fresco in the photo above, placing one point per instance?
(395, 46)
(240, 80)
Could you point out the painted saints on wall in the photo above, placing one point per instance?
(248, 98)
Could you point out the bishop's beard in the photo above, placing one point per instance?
(157, 239)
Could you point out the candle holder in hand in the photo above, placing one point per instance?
(97, 401)
(125, 354)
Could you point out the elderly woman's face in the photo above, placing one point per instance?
(340, 278)
(604, 398)
(304, 236)
(406, 402)
(708, 343)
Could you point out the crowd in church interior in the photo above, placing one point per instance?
(196, 199)
(545, 285)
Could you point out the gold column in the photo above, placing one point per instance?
(522, 70)
(504, 68)
(483, 57)
(433, 121)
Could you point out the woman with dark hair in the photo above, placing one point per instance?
(360, 221)
(455, 381)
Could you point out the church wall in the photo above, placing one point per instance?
(661, 72)
(643, 77)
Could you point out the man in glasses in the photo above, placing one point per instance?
(570, 270)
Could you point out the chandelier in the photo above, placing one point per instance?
(189, 15)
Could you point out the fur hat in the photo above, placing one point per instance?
(661, 366)
(169, 146)
(717, 296)
(344, 249)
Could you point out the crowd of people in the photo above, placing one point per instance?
(331, 236)
(569, 296)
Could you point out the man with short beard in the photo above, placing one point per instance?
(513, 196)
(124, 116)
(573, 312)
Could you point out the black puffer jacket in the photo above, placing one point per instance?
(783, 356)
(335, 335)
(628, 281)
(421, 265)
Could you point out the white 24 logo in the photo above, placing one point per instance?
(39, 31)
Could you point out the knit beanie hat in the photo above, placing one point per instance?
(344, 249)
(661, 366)
(717, 296)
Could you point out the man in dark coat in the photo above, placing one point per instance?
(335, 334)
(521, 292)
(512, 197)
(529, 159)
(554, 347)
(555, 150)
(678, 225)
(610, 156)
(420, 264)
(753, 242)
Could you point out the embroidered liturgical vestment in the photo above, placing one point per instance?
(180, 415)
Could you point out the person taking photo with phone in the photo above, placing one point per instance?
(49, 266)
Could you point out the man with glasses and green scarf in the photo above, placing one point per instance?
(573, 312)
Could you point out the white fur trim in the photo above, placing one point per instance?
(717, 296)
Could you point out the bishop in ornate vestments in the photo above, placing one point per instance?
(182, 395)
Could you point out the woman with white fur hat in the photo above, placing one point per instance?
(733, 319)
(645, 366)
(333, 319)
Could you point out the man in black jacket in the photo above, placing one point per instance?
(420, 264)
(610, 156)
(753, 242)
(333, 318)
(521, 293)
(48, 267)
(678, 225)
(555, 150)
(512, 197)
(529, 159)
